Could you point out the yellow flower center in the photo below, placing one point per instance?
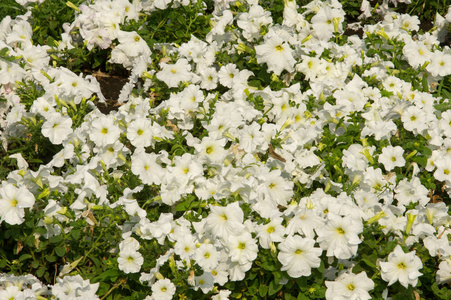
(402, 266)
(139, 132)
(242, 246)
(351, 287)
(209, 149)
(279, 48)
(340, 230)
(298, 251)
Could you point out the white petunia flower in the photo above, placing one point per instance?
(11, 292)
(340, 236)
(146, 167)
(173, 74)
(103, 131)
(222, 295)
(227, 73)
(391, 157)
(13, 200)
(211, 150)
(349, 286)
(139, 132)
(57, 128)
(414, 119)
(444, 272)
(270, 232)
(224, 221)
(207, 257)
(205, 282)
(242, 248)
(74, 287)
(298, 256)
(277, 54)
(163, 289)
(402, 267)
(130, 260)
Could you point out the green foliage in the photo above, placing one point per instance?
(11, 8)
(87, 243)
(49, 17)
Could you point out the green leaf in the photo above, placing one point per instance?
(24, 257)
(56, 239)
(369, 263)
(40, 271)
(35, 264)
(302, 282)
(103, 288)
(442, 107)
(421, 160)
(263, 290)
(3, 263)
(60, 251)
(301, 296)
(29, 241)
(110, 275)
(274, 288)
(40, 230)
(184, 205)
(50, 258)
(76, 234)
(425, 150)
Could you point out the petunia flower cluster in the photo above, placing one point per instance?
(270, 140)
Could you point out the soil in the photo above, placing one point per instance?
(111, 86)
